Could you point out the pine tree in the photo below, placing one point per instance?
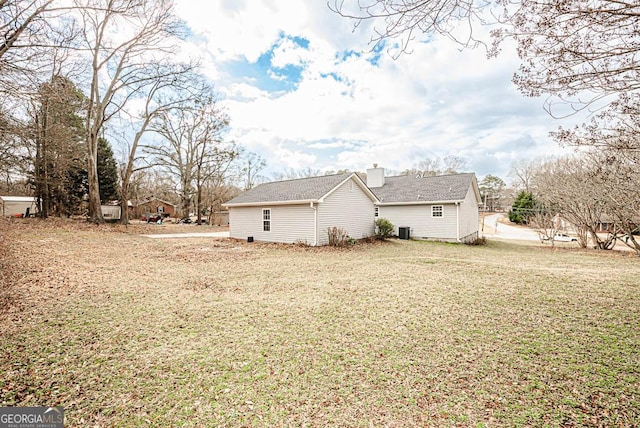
(107, 172)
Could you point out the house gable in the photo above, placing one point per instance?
(350, 206)
(301, 210)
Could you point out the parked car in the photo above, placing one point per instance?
(151, 217)
(562, 237)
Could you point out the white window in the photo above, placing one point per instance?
(436, 211)
(376, 211)
(266, 219)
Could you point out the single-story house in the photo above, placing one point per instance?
(443, 207)
(17, 206)
(303, 210)
(156, 205)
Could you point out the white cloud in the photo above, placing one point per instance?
(287, 52)
(434, 102)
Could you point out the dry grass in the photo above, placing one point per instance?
(126, 331)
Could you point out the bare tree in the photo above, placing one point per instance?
(428, 167)
(128, 42)
(252, 165)
(293, 174)
(580, 50)
(10, 148)
(545, 220)
(30, 30)
(173, 87)
(491, 191)
(568, 184)
(523, 172)
(191, 149)
(453, 164)
(612, 136)
(151, 182)
(577, 51)
(405, 20)
(217, 188)
(433, 166)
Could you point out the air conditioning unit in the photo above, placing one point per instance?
(404, 232)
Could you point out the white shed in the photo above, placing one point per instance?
(111, 212)
(303, 210)
(17, 206)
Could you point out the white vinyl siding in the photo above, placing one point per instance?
(421, 222)
(349, 208)
(288, 223)
(469, 216)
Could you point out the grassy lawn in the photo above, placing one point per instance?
(122, 330)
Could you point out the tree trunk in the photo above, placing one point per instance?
(95, 211)
(199, 196)
(124, 201)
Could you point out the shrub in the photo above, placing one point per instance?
(481, 240)
(337, 236)
(384, 228)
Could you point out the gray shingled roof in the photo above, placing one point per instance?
(410, 188)
(302, 189)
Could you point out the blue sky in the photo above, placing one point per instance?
(304, 90)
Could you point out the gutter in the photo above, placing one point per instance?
(458, 221)
(315, 224)
(421, 203)
(267, 203)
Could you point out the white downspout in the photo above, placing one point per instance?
(315, 223)
(458, 221)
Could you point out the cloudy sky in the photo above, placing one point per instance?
(303, 89)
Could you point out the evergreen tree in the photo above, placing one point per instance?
(523, 208)
(107, 172)
(59, 155)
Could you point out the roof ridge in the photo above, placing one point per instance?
(306, 178)
(431, 176)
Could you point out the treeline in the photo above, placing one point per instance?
(77, 77)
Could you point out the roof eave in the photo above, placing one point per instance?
(455, 201)
(267, 203)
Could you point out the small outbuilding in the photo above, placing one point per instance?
(17, 206)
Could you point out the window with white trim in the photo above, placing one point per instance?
(436, 211)
(266, 219)
(376, 211)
